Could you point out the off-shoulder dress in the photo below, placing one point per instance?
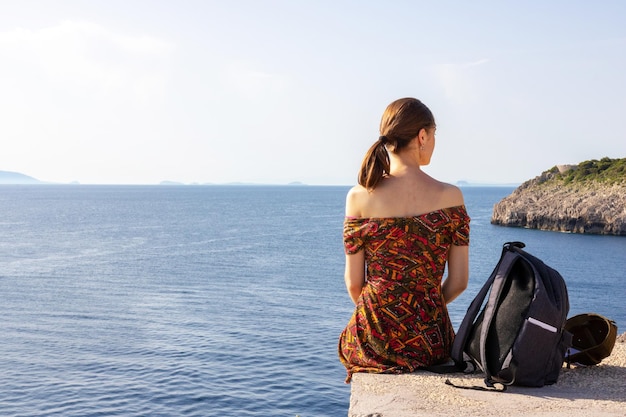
(401, 322)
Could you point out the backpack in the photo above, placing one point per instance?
(518, 337)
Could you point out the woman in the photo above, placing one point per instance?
(402, 229)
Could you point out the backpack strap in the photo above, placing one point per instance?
(489, 386)
(458, 347)
(499, 279)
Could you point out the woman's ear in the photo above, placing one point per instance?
(422, 136)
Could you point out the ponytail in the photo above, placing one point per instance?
(401, 122)
(375, 165)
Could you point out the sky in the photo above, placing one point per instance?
(273, 92)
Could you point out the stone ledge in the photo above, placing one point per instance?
(580, 392)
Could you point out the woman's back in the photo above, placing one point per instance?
(404, 195)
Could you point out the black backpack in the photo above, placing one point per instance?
(518, 337)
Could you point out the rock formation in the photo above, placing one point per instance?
(585, 198)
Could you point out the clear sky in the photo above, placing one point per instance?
(264, 91)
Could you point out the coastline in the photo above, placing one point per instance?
(598, 390)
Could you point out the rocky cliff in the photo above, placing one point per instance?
(585, 198)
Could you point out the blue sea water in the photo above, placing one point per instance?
(211, 300)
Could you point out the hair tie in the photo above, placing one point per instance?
(383, 139)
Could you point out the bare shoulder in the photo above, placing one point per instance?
(451, 195)
(356, 200)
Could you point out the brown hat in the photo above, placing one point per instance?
(593, 338)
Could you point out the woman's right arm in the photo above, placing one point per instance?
(458, 273)
(458, 255)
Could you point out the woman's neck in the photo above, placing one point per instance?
(403, 164)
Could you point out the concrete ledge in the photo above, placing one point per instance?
(580, 392)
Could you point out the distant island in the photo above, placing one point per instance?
(586, 198)
(9, 177)
(178, 183)
(463, 183)
(16, 178)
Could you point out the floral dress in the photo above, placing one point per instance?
(401, 322)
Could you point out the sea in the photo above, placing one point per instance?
(212, 300)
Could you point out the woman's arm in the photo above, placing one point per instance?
(355, 274)
(458, 273)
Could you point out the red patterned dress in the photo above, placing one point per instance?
(401, 322)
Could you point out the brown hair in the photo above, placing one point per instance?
(401, 122)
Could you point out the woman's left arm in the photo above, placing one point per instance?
(355, 274)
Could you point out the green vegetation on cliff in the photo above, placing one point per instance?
(606, 170)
